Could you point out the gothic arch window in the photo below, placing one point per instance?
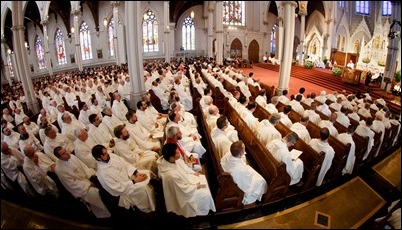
(39, 52)
(342, 4)
(363, 7)
(386, 8)
(85, 41)
(234, 13)
(273, 39)
(150, 32)
(110, 33)
(9, 64)
(188, 34)
(356, 47)
(60, 47)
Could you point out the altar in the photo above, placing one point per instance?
(352, 76)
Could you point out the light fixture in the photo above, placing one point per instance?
(192, 14)
(27, 47)
(9, 51)
(72, 30)
(105, 22)
(146, 16)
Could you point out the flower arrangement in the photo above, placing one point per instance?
(337, 71)
(381, 63)
(308, 64)
(366, 60)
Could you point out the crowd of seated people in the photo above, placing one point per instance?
(98, 133)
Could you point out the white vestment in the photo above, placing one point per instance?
(142, 136)
(68, 129)
(115, 178)
(12, 140)
(281, 153)
(350, 161)
(100, 134)
(74, 175)
(378, 126)
(180, 190)
(319, 146)
(59, 140)
(266, 132)
(38, 178)
(365, 131)
(111, 122)
(328, 124)
(119, 109)
(221, 141)
(83, 150)
(313, 116)
(131, 152)
(301, 131)
(249, 181)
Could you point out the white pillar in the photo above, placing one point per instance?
(166, 30)
(134, 51)
(286, 61)
(4, 56)
(47, 51)
(115, 5)
(279, 39)
(21, 56)
(210, 31)
(393, 45)
(302, 30)
(219, 32)
(78, 55)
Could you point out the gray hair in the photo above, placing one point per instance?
(172, 131)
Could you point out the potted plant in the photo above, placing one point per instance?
(366, 60)
(337, 71)
(308, 64)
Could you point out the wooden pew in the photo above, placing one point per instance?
(377, 144)
(361, 144)
(275, 173)
(270, 91)
(312, 160)
(227, 195)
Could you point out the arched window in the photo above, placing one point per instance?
(363, 7)
(39, 52)
(85, 41)
(233, 13)
(9, 64)
(60, 47)
(386, 8)
(188, 34)
(110, 32)
(150, 32)
(273, 39)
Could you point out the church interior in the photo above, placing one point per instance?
(341, 48)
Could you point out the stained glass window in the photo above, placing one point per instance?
(10, 64)
(60, 47)
(85, 41)
(233, 13)
(362, 7)
(386, 8)
(342, 4)
(273, 39)
(188, 32)
(39, 52)
(150, 32)
(110, 33)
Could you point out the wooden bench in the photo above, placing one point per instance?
(274, 173)
(361, 145)
(228, 196)
(377, 144)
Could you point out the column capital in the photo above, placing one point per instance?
(76, 12)
(20, 27)
(328, 20)
(303, 14)
(280, 19)
(44, 22)
(115, 3)
(289, 2)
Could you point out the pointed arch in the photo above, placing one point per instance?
(60, 47)
(39, 50)
(188, 34)
(150, 35)
(110, 36)
(85, 41)
(253, 51)
(236, 49)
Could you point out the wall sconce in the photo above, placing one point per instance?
(72, 30)
(192, 14)
(105, 22)
(27, 47)
(9, 51)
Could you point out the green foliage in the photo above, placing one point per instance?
(308, 64)
(366, 60)
(381, 63)
(293, 62)
(397, 76)
(325, 60)
(337, 71)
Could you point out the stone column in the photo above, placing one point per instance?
(21, 57)
(47, 51)
(302, 30)
(286, 61)
(210, 29)
(219, 32)
(115, 5)
(279, 39)
(393, 46)
(166, 30)
(5, 63)
(134, 51)
(78, 54)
